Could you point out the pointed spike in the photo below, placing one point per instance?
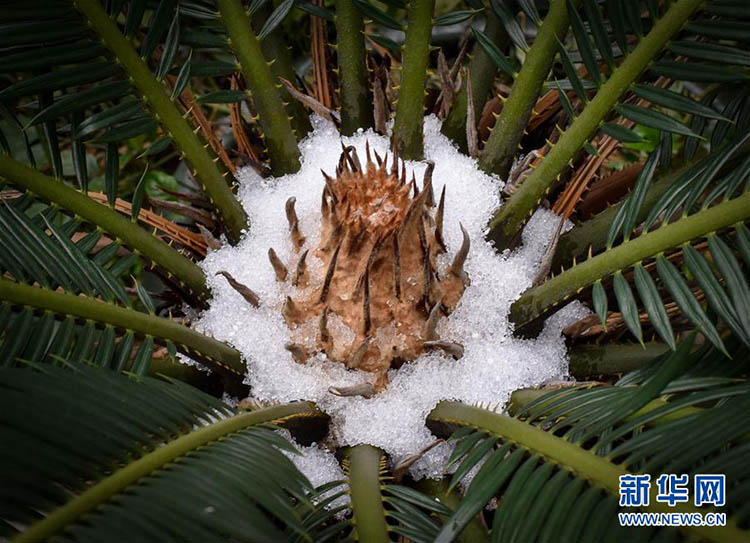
(403, 174)
(414, 185)
(439, 222)
(329, 274)
(278, 266)
(324, 209)
(291, 214)
(427, 183)
(290, 310)
(299, 353)
(426, 263)
(350, 158)
(298, 240)
(456, 350)
(396, 268)
(378, 159)
(416, 206)
(246, 293)
(367, 152)
(366, 301)
(329, 185)
(299, 272)
(366, 390)
(457, 267)
(359, 354)
(325, 336)
(343, 159)
(355, 158)
(432, 322)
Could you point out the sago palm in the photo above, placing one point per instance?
(129, 128)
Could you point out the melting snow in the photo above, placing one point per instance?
(495, 363)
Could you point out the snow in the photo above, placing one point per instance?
(319, 465)
(495, 363)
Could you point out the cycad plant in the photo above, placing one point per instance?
(123, 124)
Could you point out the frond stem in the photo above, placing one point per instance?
(210, 352)
(157, 97)
(367, 501)
(277, 129)
(356, 103)
(408, 128)
(502, 145)
(187, 273)
(537, 300)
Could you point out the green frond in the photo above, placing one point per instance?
(142, 458)
(558, 460)
(693, 226)
(208, 351)
(72, 78)
(502, 145)
(156, 251)
(277, 130)
(511, 217)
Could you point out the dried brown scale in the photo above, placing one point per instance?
(300, 273)
(246, 293)
(456, 350)
(278, 266)
(379, 296)
(439, 222)
(366, 390)
(299, 353)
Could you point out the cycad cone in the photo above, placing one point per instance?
(380, 237)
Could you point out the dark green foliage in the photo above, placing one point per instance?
(625, 425)
(87, 426)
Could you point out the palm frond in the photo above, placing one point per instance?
(622, 88)
(558, 459)
(187, 276)
(709, 275)
(97, 314)
(31, 255)
(70, 85)
(381, 507)
(142, 458)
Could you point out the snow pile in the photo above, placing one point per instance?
(320, 466)
(494, 363)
